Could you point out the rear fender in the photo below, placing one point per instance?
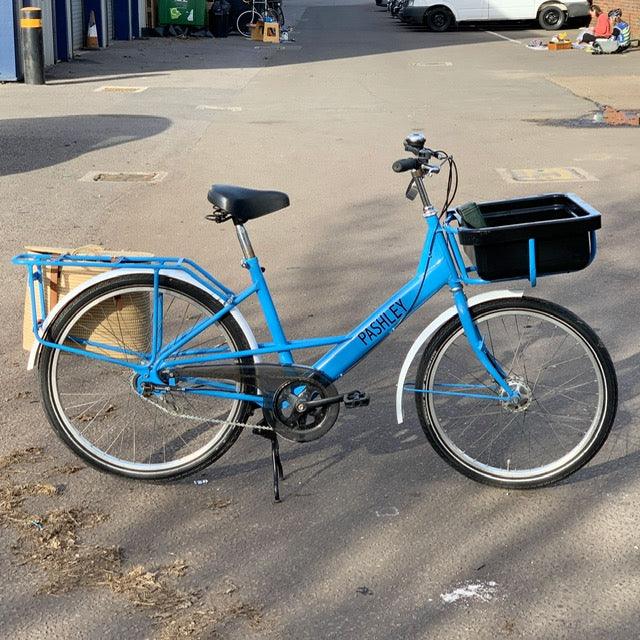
(36, 349)
(431, 329)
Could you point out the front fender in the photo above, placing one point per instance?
(430, 330)
(34, 355)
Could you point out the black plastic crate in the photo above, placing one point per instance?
(562, 226)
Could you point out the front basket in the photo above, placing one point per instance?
(533, 236)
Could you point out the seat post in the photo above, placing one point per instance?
(245, 242)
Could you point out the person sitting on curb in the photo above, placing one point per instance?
(620, 30)
(601, 30)
(620, 35)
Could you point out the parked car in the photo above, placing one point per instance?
(440, 15)
(381, 3)
(395, 6)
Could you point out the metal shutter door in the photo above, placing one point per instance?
(77, 24)
(110, 26)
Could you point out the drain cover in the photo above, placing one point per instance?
(547, 174)
(120, 176)
(117, 89)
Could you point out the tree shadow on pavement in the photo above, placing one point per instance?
(28, 144)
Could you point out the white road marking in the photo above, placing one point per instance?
(213, 107)
(498, 35)
(432, 64)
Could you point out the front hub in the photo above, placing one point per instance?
(523, 398)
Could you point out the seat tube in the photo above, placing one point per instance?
(264, 295)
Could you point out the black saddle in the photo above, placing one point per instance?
(246, 204)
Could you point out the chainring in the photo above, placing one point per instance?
(307, 425)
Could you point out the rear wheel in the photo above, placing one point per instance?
(245, 19)
(94, 405)
(276, 13)
(439, 19)
(568, 394)
(552, 17)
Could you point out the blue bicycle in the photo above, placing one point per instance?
(149, 370)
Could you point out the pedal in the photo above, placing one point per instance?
(355, 399)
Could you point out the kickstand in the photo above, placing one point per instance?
(278, 473)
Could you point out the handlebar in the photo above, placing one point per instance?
(406, 164)
(421, 169)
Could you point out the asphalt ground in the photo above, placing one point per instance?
(376, 535)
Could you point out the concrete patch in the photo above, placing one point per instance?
(604, 88)
(546, 174)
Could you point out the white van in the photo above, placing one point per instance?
(440, 15)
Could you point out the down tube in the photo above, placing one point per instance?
(385, 319)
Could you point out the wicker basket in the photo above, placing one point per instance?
(123, 322)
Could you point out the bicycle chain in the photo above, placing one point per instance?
(188, 416)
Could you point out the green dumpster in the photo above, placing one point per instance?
(188, 13)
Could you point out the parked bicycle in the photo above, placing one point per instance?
(150, 371)
(260, 9)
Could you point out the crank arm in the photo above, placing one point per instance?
(301, 407)
(351, 400)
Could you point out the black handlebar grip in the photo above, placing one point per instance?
(406, 164)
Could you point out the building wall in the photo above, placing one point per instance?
(630, 12)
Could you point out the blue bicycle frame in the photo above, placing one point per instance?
(440, 265)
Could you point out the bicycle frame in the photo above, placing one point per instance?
(440, 265)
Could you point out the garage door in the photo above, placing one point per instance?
(110, 27)
(77, 24)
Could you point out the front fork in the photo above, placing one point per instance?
(478, 345)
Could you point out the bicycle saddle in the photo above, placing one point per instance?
(246, 204)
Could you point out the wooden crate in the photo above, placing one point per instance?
(558, 46)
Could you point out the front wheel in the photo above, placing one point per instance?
(567, 385)
(552, 17)
(95, 406)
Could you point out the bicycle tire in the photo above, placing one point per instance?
(245, 19)
(568, 409)
(68, 383)
(278, 14)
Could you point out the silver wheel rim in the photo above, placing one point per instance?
(85, 402)
(490, 426)
(253, 16)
